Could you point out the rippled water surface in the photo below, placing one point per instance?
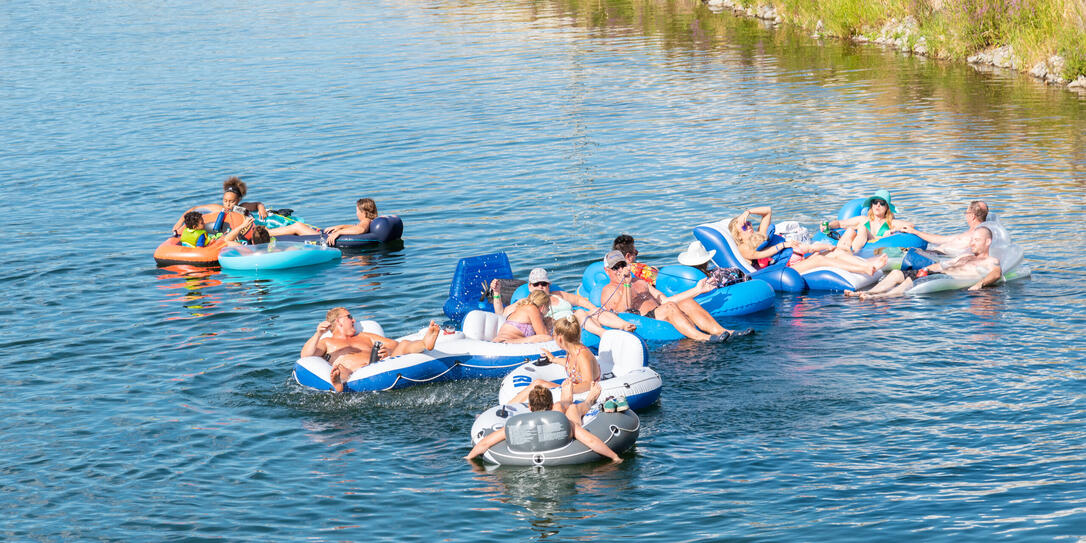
(144, 403)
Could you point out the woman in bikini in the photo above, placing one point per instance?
(878, 223)
(748, 239)
(524, 324)
(581, 365)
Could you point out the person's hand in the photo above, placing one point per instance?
(263, 212)
(906, 228)
(629, 327)
(323, 327)
(791, 244)
(703, 285)
(382, 353)
(547, 355)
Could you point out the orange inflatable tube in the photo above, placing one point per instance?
(171, 252)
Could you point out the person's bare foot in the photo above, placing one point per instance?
(430, 339)
(593, 393)
(337, 378)
(851, 294)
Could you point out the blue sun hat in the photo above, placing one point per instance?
(884, 195)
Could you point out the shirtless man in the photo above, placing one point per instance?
(958, 244)
(347, 349)
(634, 295)
(976, 263)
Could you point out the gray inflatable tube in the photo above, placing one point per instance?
(546, 438)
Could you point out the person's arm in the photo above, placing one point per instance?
(496, 296)
(701, 287)
(232, 237)
(767, 252)
(928, 237)
(767, 218)
(314, 346)
(594, 443)
(576, 300)
(350, 229)
(852, 221)
(992, 277)
(486, 443)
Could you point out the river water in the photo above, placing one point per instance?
(157, 404)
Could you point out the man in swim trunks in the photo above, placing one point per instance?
(977, 264)
(957, 244)
(348, 350)
(635, 295)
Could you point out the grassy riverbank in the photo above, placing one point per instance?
(1044, 37)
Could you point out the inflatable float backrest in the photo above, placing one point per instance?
(716, 236)
(677, 278)
(467, 283)
(1009, 254)
(387, 227)
(620, 353)
(852, 208)
(592, 281)
(482, 325)
(538, 431)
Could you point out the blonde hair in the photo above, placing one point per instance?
(889, 215)
(335, 313)
(368, 207)
(568, 329)
(537, 298)
(753, 241)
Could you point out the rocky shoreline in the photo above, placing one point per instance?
(904, 35)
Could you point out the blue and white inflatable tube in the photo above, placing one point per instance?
(622, 358)
(855, 208)
(715, 236)
(465, 354)
(278, 255)
(472, 353)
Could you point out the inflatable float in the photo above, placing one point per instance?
(466, 354)
(716, 236)
(732, 300)
(545, 438)
(622, 358)
(900, 240)
(1010, 255)
(277, 255)
(383, 229)
(472, 276)
(172, 252)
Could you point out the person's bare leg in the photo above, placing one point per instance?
(701, 318)
(860, 240)
(427, 343)
(898, 290)
(588, 323)
(891, 280)
(610, 320)
(672, 314)
(294, 229)
(576, 412)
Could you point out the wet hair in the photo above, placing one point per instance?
(753, 241)
(540, 399)
(368, 207)
(568, 329)
(623, 244)
(335, 313)
(193, 219)
(979, 209)
(537, 298)
(236, 185)
(261, 235)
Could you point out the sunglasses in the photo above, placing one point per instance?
(541, 284)
(618, 266)
(746, 226)
(878, 203)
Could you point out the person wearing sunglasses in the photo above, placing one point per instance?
(563, 304)
(625, 292)
(878, 223)
(348, 349)
(805, 256)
